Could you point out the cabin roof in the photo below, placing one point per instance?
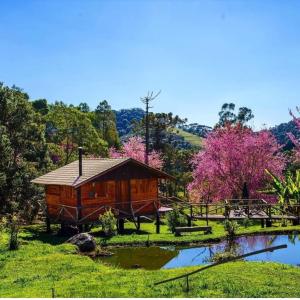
(91, 168)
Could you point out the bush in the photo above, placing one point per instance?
(108, 223)
(222, 256)
(231, 227)
(247, 222)
(10, 225)
(175, 218)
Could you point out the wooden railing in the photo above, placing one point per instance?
(75, 214)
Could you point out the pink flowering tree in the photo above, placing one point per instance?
(296, 142)
(135, 148)
(232, 156)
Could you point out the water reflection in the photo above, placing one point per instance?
(172, 257)
(201, 255)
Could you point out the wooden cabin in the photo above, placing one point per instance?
(82, 190)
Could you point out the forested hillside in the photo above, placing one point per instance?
(125, 119)
(196, 129)
(281, 133)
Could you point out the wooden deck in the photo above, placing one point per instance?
(237, 215)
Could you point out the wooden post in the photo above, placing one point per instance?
(121, 225)
(269, 221)
(138, 222)
(189, 221)
(157, 222)
(48, 225)
(206, 213)
(79, 208)
(262, 223)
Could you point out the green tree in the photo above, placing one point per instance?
(70, 128)
(228, 115)
(41, 106)
(24, 153)
(104, 121)
(84, 107)
(160, 124)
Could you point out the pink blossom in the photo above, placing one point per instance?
(296, 142)
(135, 148)
(232, 156)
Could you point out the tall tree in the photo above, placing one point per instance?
(41, 106)
(68, 128)
(23, 151)
(294, 139)
(147, 100)
(233, 155)
(160, 124)
(105, 122)
(227, 115)
(84, 107)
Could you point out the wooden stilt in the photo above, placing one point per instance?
(189, 218)
(262, 223)
(121, 225)
(157, 222)
(138, 223)
(48, 225)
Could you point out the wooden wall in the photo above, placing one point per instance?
(121, 194)
(57, 195)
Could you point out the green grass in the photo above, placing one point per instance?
(193, 139)
(131, 236)
(44, 262)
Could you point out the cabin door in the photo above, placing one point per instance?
(123, 196)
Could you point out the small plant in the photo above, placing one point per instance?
(175, 218)
(247, 222)
(108, 223)
(231, 227)
(222, 256)
(10, 225)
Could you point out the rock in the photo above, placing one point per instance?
(84, 241)
(68, 230)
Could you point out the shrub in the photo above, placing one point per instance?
(222, 256)
(175, 218)
(231, 227)
(108, 223)
(247, 222)
(10, 225)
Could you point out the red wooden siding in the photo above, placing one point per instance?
(121, 194)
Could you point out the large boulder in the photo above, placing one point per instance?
(84, 241)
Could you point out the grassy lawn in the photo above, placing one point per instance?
(193, 139)
(44, 262)
(165, 237)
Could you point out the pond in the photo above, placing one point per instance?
(153, 258)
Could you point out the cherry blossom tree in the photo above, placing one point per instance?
(296, 142)
(232, 156)
(135, 148)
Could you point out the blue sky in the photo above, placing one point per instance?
(199, 53)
